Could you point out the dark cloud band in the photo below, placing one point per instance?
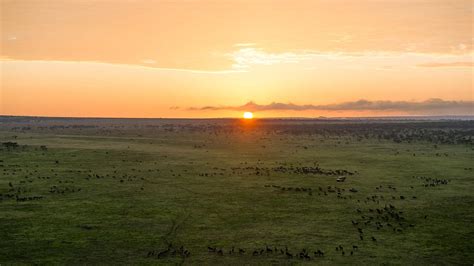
(428, 106)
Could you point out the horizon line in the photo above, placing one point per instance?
(450, 117)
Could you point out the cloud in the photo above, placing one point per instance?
(143, 65)
(428, 106)
(248, 56)
(449, 64)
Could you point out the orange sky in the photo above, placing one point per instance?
(137, 58)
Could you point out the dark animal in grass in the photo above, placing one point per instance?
(304, 254)
(319, 253)
(288, 254)
(186, 253)
(163, 253)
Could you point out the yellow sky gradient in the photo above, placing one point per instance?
(132, 58)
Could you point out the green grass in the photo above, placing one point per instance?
(165, 197)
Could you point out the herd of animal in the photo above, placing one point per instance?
(375, 212)
(170, 251)
(370, 219)
(269, 251)
(432, 182)
(384, 216)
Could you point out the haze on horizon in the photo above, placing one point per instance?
(212, 58)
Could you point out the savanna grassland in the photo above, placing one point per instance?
(138, 191)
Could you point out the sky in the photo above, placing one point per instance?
(219, 58)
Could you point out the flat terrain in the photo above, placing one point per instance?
(110, 191)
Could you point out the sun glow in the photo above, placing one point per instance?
(248, 115)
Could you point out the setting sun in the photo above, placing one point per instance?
(248, 115)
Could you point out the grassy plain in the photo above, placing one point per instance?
(123, 192)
